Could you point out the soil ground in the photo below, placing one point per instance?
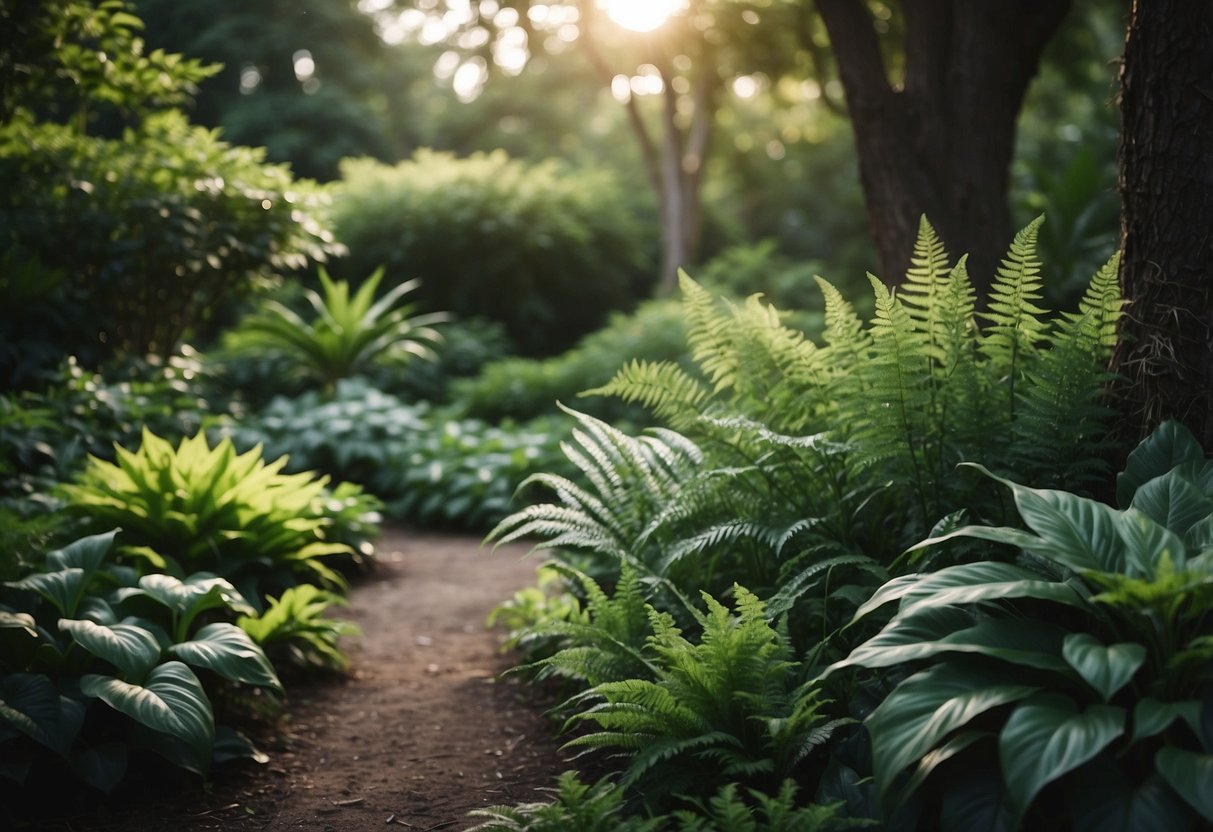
(421, 731)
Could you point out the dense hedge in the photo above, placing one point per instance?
(546, 250)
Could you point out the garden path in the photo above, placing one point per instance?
(420, 733)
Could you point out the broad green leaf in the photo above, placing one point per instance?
(1048, 737)
(933, 759)
(1148, 544)
(1106, 669)
(910, 588)
(172, 702)
(1103, 799)
(1173, 502)
(976, 799)
(64, 588)
(31, 704)
(130, 648)
(1170, 445)
(194, 595)
(228, 651)
(1151, 717)
(1191, 775)
(87, 553)
(1076, 532)
(924, 709)
(932, 632)
(102, 766)
(1061, 593)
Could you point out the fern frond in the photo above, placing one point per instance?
(665, 388)
(708, 333)
(1016, 326)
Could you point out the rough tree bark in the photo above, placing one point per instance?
(940, 143)
(1165, 357)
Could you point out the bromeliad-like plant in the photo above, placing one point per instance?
(348, 334)
(1076, 683)
(196, 508)
(98, 633)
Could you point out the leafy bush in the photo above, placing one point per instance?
(427, 468)
(546, 250)
(523, 388)
(153, 233)
(347, 335)
(194, 507)
(468, 345)
(1075, 683)
(101, 634)
(295, 628)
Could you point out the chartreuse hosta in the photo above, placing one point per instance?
(193, 507)
(1072, 687)
(85, 632)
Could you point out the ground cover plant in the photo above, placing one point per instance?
(1070, 689)
(425, 465)
(196, 507)
(802, 471)
(98, 661)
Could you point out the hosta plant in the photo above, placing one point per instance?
(1073, 688)
(295, 627)
(347, 334)
(195, 508)
(96, 660)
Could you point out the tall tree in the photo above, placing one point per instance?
(934, 121)
(1166, 184)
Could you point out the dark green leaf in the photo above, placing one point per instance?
(228, 651)
(1170, 445)
(1190, 774)
(1106, 669)
(1047, 737)
(130, 648)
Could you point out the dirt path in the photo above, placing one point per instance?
(420, 734)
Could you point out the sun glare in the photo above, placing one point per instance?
(641, 15)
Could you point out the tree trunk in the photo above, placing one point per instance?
(940, 143)
(1165, 357)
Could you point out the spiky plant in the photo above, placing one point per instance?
(347, 335)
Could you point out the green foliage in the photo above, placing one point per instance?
(730, 707)
(70, 57)
(48, 436)
(346, 336)
(630, 482)
(427, 468)
(759, 268)
(153, 233)
(295, 628)
(578, 806)
(601, 806)
(920, 389)
(523, 388)
(1077, 680)
(546, 250)
(194, 507)
(83, 632)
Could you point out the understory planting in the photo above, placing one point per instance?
(718, 592)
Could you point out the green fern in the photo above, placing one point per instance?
(674, 396)
(730, 707)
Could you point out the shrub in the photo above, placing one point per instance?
(153, 233)
(546, 250)
(294, 628)
(1075, 683)
(523, 388)
(194, 507)
(83, 633)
